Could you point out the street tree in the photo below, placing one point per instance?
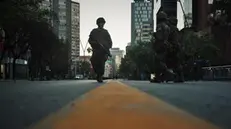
(199, 45)
(59, 62)
(16, 18)
(85, 67)
(139, 60)
(43, 46)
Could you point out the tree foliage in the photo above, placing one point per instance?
(195, 45)
(221, 11)
(220, 23)
(199, 45)
(16, 16)
(27, 27)
(85, 67)
(139, 60)
(59, 61)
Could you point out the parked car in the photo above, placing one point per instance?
(79, 77)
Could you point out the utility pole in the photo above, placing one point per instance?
(2, 41)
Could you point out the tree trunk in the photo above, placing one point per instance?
(1, 58)
(14, 68)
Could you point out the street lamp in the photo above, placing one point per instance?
(84, 48)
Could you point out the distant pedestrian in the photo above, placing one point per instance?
(173, 59)
(160, 44)
(100, 41)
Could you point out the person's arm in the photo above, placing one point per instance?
(109, 40)
(92, 40)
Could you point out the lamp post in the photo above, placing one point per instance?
(84, 49)
(2, 39)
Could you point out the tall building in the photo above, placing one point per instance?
(62, 20)
(128, 47)
(141, 21)
(200, 14)
(62, 23)
(108, 69)
(75, 33)
(117, 55)
(170, 7)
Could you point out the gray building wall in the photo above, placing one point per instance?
(141, 21)
(75, 35)
(170, 7)
(62, 22)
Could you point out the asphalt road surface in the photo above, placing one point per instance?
(208, 100)
(24, 103)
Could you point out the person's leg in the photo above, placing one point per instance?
(101, 68)
(179, 74)
(157, 72)
(95, 64)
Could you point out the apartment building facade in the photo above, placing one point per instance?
(75, 34)
(141, 21)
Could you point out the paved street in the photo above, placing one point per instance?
(25, 103)
(208, 100)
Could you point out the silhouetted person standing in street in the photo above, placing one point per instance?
(160, 47)
(174, 60)
(100, 41)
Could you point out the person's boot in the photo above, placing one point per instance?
(156, 80)
(169, 75)
(99, 79)
(181, 79)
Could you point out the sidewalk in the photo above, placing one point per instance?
(118, 106)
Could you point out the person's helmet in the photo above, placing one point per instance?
(173, 20)
(162, 15)
(100, 20)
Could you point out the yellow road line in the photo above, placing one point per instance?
(117, 106)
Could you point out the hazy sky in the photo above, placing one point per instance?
(117, 14)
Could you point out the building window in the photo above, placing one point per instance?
(136, 4)
(144, 16)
